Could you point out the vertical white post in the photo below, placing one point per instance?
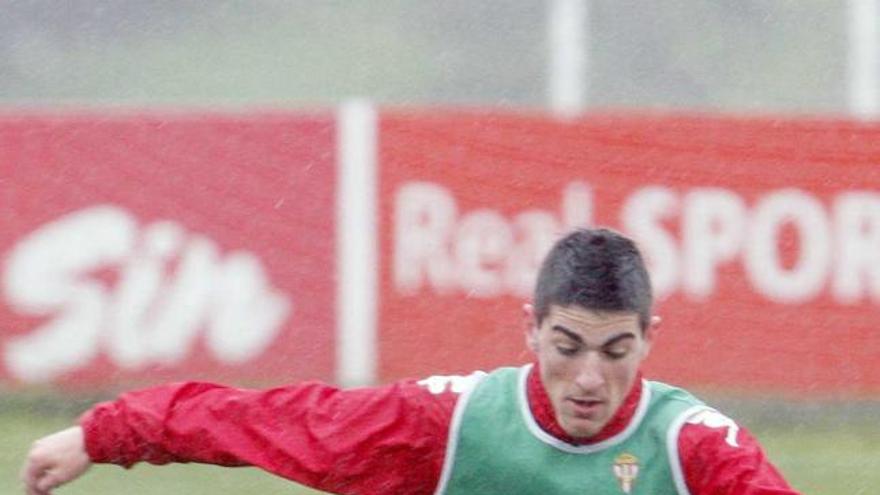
(568, 56)
(863, 62)
(356, 240)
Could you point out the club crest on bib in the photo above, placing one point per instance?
(626, 469)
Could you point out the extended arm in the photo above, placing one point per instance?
(372, 440)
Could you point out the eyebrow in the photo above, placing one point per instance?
(577, 338)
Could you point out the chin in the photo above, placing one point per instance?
(582, 431)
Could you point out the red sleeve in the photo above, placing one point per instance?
(721, 458)
(372, 440)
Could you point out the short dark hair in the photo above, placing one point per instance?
(598, 269)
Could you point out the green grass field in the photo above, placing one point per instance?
(815, 457)
(826, 460)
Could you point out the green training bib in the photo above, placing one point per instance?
(496, 447)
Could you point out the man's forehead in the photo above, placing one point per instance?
(587, 321)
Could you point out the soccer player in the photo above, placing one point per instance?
(580, 419)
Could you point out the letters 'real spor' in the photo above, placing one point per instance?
(483, 253)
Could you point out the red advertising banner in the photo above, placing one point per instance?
(763, 238)
(143, 248)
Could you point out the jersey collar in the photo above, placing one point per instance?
(542, 411)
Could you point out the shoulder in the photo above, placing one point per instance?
(671, 393)
(703, 431)
(451, 384)
(709, 425)
(434, 397)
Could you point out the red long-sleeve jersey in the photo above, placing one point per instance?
(389, 439)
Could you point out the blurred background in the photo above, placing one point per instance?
(766, 59)
(750, 56)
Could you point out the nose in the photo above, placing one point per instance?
(589, 375)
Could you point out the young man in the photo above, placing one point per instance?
(581, 419)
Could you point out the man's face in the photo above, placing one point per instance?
(588, 362)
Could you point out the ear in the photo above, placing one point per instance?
(530, 326)
(651, 332)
